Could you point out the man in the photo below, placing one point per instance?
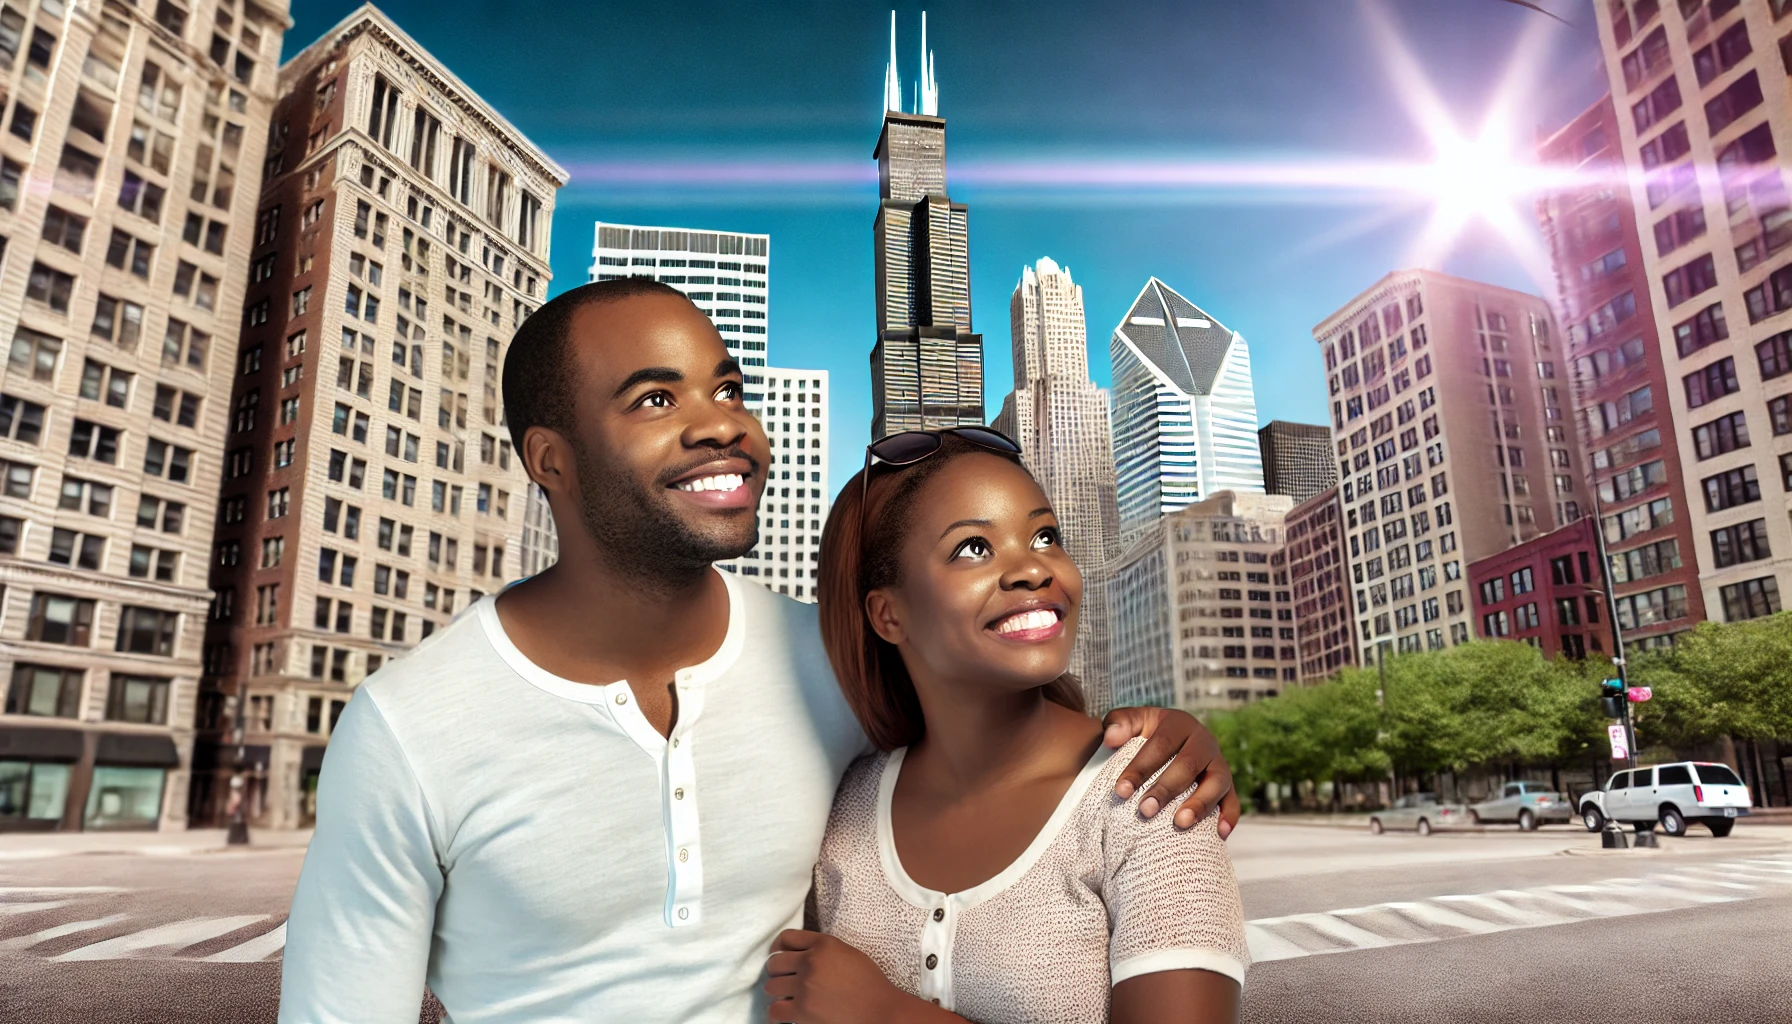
(599, 796)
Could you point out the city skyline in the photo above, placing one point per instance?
(809, 110)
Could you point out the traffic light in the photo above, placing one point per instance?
(1611, 697)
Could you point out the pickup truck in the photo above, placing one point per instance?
(1673, 795)
(1529, 804)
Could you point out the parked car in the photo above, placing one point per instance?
(1673, 795)
(1529, 804)
(1419, 812)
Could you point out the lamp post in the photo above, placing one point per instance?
(1381, 689)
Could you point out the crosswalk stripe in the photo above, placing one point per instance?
(56, 890)
(15, 909)
(1431, 914)
(1339, 931)
(1515, 917)
(1266, 945)
(57, 932)
(169, 936)
(258, 948)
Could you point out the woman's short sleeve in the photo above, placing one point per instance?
(1172, 899)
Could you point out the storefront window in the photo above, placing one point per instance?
(32, 792)
(124, 797)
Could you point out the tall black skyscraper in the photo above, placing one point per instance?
(927, 365)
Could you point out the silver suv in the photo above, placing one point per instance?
(1675, 795)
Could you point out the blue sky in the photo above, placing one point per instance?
(762, 116)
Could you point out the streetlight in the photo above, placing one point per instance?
(1381, 689)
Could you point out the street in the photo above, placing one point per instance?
(1490, 926)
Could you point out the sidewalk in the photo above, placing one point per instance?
(1360, 820)
(178, 843)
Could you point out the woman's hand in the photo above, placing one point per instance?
(818, 979)
(1172, 733)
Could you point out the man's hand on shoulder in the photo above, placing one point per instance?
(1177, 739)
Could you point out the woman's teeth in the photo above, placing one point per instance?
(1041, 618)
(720, 482)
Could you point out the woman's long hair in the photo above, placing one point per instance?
(871, 671)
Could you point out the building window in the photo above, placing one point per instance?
(57, 619)
(140, 699)
(1751, 599)
(1744, 542)
(1724, 434)
(146, 631)
(43, 690)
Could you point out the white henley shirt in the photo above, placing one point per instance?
(536, 851)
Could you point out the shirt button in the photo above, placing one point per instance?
(684, 913)
(932, 961)
(674, 743)
(622, 698)
(939, 913)
(684, 855)
(678, 794)
(936, 1002)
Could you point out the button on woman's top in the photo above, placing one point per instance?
(1099, 896)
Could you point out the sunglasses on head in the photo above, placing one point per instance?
(912, 446)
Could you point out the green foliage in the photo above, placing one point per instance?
(1720, 679)
(1478, 703)
(1501, 702)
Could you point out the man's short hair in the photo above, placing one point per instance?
(540, 376)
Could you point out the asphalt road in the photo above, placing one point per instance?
(1495, 926)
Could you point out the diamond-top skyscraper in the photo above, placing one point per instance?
(927, 363)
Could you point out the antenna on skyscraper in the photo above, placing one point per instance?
(929, 102)
(892, 81)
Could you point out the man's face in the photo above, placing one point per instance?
(670, 462)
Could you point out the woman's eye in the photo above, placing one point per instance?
(976, 549)
(1047, 538)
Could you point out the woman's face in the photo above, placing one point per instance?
(988, 593)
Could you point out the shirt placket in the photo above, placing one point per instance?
(678, 793)
(937, 934)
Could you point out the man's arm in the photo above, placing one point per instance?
(358, 940)
(1174, 734)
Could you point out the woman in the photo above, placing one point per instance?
(967, 880)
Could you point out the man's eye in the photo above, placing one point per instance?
(975, 549)
(729, 391)
(1046, 538)
(658, 400)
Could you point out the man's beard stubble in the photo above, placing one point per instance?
(642, 536)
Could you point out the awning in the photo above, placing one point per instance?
(134, 749)
(311, 760)
(39, 744)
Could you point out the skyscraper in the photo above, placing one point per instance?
(723, 272)
(1450, 409)
(1707, 141)
(127, 205)
(1203, 615)
(370, 490)
(795, 503)
(1185, 414)
(1297, 459)
(927, 364)
(1060, 419)
(1616, 368)
(1320, 572)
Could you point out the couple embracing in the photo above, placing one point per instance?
(633, 788)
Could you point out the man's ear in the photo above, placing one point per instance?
(885, 616)
(548, 459)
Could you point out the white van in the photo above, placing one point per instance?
(1675, 795)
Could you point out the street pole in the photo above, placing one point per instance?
(1381, 689)
(239, 784)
